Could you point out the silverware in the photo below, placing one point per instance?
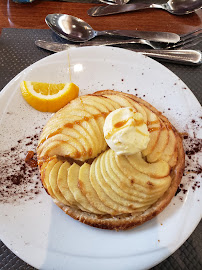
(186, 41)
(115, 2)
(186, 57)
(77, 30)
(178, 7)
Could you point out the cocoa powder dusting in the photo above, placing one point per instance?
(20, 180)
(193, 166)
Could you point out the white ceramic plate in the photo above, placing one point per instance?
(38, 231)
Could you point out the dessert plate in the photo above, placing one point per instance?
(32, 226)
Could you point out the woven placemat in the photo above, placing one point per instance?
(18, 51)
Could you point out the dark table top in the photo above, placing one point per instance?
(32, 16)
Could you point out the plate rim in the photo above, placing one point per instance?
(87, 48)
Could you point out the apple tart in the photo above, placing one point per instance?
(91, 182)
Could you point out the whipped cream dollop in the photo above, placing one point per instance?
(125, 131)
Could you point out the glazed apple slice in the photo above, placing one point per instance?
(112, 105)
(84, 126)
(95, 179)
(67, 118)
(63, 185)
(170, 149)
(132, 184)
(173, 160)
(80, 132)
(70, 125)
(119, 99)
(160, 145)
(62, 181)
(82, 138)
(45, 176)
(91, 124)
(105, 192)
(62, 139)
(90, 193)
(153, 185)
(157, 169)
(97, 189)
(58, 148)
(97, 102)
(154, 127)
(117, 182)
(53, 183)
(128, 100)
(56, 125)
(114, 192)
(138, 107)
(97, 122)
(73, 178)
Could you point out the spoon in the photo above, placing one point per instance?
(176, 7)
(76, 30)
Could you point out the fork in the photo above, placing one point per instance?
(167, 52)
(186, 41)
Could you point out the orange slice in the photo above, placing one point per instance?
(48, 97)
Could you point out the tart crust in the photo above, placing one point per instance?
(128, 221)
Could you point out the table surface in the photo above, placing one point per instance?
(32, 15)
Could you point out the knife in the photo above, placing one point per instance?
(165, 37)
(186, 57)
(115, 9)
(59, 46)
